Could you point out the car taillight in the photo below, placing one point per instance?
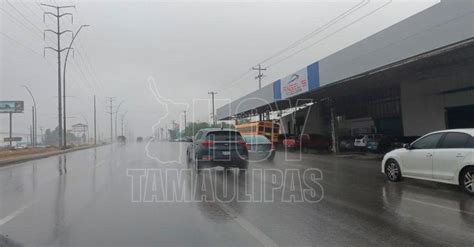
(207, 143)
(206, 157)
(243, 144)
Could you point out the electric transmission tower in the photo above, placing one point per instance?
(58, 15)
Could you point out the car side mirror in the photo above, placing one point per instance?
(407, 146)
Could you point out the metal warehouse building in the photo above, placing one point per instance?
(414, 77)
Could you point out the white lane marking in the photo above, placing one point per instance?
(13, 214)
(254, 231)
(439, 206)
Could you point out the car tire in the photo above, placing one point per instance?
(197, 166)
(243, 168)
(271, 157)
(188, 158)
(393, 171)
(466, 180)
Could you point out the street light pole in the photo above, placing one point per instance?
(64, 84)
(34, 122)
(121, 120)
(116, 113)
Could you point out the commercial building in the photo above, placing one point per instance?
(414, 77)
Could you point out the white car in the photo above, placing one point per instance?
(443, 156)
(362, 140)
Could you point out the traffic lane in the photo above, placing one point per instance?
(19, 182)
(59, 186)
(357, 195)
(106, 215)
(93, 207)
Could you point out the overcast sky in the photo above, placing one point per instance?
(189, 48)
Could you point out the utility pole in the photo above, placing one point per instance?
(213, 109)
(116, 114)
(58, 50)
(95, 123)
(10, 134)
(184, 121)
(121, 120)
(259, 77)
(111, 99)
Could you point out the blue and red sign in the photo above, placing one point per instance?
(301, 81)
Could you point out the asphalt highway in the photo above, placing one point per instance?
(148, 195)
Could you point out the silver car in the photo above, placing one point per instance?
(260, 147)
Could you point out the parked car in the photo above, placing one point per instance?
(139, 139)
(346, 143)
(308, 141)
(218, 147)
(316, 141)
(443, 156)
(259, 147)
(361, 141)
(389, 143)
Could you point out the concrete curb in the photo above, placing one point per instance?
(42, 155)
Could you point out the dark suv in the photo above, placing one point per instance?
(218, 147)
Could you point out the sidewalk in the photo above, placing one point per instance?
(8, 157)
(360, 156)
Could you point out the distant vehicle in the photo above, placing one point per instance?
(443, 156)
(139, 139)
(121, 139)
(361, 141)
(21, 145)
(184, 139)
(259, 147)
(308, 141)
(218, 147)
(266, 128)
(316, 141)
(346, 143)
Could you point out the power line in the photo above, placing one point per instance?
(304, 38)
(21, 23)
(331, 34)
(87, 60)
(319, 29)
(19, 44)
(24, 17)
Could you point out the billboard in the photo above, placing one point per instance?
(301, 81)
(11, 106)
(14, 139)
(294, 84)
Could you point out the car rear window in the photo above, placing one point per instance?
(256, 139)
(224, 136)
(470, 144)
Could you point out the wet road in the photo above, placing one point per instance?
(86, 198)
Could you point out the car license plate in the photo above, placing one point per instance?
(225, 152)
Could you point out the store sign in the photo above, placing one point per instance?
(294, 84)
(11, 106)
(301, 81)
